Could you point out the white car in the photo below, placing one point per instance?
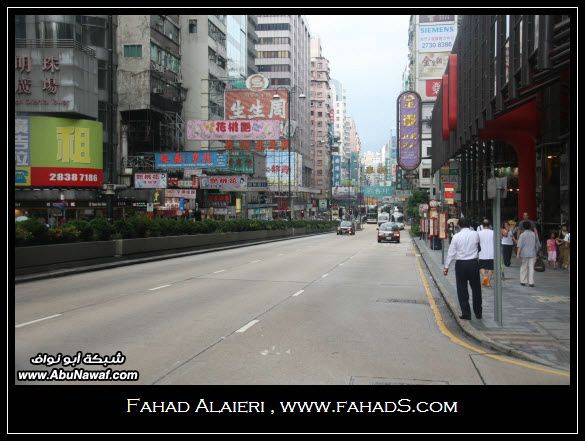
(383, 218)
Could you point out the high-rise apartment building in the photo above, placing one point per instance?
(321, 122)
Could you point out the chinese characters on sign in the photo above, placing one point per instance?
(439, 38)
(233, 130)
(24, 64)
(150, 180)
(22, 151)
(247, 104)
(409, 128)
(226, 183)
(197, 159)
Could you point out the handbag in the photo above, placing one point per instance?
(539, 265)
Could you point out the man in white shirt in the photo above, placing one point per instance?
(486, 254)
(464, 250)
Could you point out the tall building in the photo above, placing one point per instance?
(339, 104)
(321, 123)
(65, 94)
(430, 39)
(283, 56)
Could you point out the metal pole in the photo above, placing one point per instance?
(442, 208)
(497, 259)
(289, 170)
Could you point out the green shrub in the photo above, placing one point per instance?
(39, 233)
(63, 234)
(84, 229)
(102, 229)
(23, 236)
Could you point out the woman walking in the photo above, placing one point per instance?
(528, 247)
(507, 243)
(551, 250)
(564, 247)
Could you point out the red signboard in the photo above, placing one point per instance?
(449, 193)
(248, 104)
(452, 91)
(445, 109)
(433, 87)
(66, 177)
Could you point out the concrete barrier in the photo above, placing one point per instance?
(40, 255)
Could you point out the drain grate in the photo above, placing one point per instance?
(411, 301)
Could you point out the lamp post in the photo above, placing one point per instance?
(277, 97)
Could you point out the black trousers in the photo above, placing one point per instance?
(507, 253)
(467, 271)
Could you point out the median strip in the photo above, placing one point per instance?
(39, 320)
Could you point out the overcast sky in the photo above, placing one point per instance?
(368, 55)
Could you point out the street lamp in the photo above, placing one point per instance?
(277, 97)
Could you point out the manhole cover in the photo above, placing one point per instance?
(411, 301)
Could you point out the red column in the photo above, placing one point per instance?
(525, 150)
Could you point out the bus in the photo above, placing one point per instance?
(372, 214)
(398, 218)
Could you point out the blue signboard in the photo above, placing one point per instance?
(197, 159)
(336, 171)
(378, 191)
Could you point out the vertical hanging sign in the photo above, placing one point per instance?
(409, 130)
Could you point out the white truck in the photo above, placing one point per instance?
(383, 217)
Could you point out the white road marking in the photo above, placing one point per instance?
(298, 293)
(39, 320)
(281, 254)
(255, 261)
(341, 264)
(158, 287)
(324, 275)
(249, 325)
(220, 271)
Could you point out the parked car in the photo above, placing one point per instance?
(388, 232)
(346, 227)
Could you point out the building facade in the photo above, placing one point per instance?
(65, 94)
(512, 118)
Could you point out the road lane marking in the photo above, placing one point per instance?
(39, 320)
(255, 261)
(249, 325)
(341, 264)
(324, 275)
(454, 339)
(220, 271)
(158, 287)
(281, 254)
(298, 293)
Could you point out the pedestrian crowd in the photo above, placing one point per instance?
(472, 249)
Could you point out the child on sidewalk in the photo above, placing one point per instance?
(551, 249)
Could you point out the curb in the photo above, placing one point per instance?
(474, 333)
(85, 269)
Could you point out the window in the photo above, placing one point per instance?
(429, 151)
(102, 74)
(216, 34)
(133, 50)
(192, 26)
(20, 26)
(272, 27)
(426, 172)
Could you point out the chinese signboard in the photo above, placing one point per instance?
(258, 184)
(432, 88)
(336, 170)
(150, 180)
(242, 163)
(234, 130)
(436, 18)
(449, 193)
(178, 193)
(197, 159)
(432, 64)
(49, 79)
(409, 129)
(377, 191)
(248, 104)
(439, 38)
(58, 152)
(277, 168)
(226, 183)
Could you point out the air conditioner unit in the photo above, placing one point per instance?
(158, 90)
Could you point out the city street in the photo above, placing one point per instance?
(325, 309)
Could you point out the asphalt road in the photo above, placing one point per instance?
(325, 309)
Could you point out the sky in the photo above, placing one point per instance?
(368, 55)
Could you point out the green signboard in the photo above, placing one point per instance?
(378, 191)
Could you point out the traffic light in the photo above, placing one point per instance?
(302, 213)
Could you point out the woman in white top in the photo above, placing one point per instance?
(486, 253)
(507, 243)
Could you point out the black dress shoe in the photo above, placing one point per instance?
(462, 317)
(523, 284)
(478, 316)
(531, 285)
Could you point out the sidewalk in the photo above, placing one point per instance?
(536, 320)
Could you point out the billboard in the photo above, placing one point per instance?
(277, 169)
(377, 191)
(409, 130)
(58, 152)
(150, 180)
(432, 64)
(225, 183)
(260, 129)
(249, 104)
(336, 170)
(436, 38)
(436, 18)
(195, 159)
